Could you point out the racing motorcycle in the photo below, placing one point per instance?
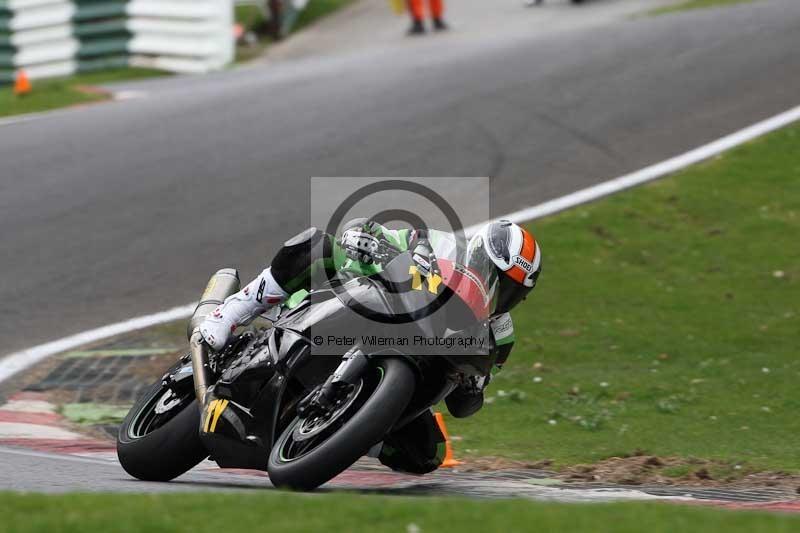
(338, 371)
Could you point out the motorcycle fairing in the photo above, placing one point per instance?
(245, 411)
(241, 414)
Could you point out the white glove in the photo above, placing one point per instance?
(241, 308)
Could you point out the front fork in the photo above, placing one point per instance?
(323, 398)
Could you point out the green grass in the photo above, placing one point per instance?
(695, 4)
(248, 15)
(316, 9)
(251, 17)
(83, 513)
(93, 413)
(666, 321)
(62, 92)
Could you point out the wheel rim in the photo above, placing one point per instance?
(305, 435)
(313, 426)
(160, 408)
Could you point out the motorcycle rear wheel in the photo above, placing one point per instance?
(304, 460)
(159, 439)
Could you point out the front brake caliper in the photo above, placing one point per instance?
(323, 399)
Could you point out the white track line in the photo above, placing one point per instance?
(58, 456)
(27, 117)
(656, 171)
(18, 361)
(119, 96)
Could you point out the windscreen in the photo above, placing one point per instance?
(467, 270)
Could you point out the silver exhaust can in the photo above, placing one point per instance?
(221, 285)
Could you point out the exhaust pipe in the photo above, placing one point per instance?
(221, 285)
(199, 351)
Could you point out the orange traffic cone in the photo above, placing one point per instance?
(449, 460)
(22, 85)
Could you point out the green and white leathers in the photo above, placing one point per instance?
(361, 250)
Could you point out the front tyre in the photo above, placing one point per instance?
(312, 451)
(159, 439)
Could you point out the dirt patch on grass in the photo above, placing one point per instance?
(647, 470)
(652, 470)
(482, 464)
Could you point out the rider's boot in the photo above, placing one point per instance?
(241, 308)
(417, 27)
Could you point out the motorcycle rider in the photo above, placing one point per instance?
(513, 250)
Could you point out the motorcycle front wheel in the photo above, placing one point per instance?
(314, 450)
(159, 439)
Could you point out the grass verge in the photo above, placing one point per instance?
(665, 322)
(315, 10)
(63, 92)
(94, 413)
(695, 4)
(252, 18)
(87, 513)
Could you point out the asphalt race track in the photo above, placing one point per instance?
(45, 472)
(116, 210)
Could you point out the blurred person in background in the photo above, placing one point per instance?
(417, 10)
(275, 21)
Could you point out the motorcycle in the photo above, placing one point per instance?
(338, 371)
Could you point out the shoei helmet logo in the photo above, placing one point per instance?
(524, 263)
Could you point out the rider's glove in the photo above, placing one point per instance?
(361, 246)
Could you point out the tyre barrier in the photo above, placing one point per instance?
(49, 38)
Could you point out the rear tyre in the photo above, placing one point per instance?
(159, 439)
(309, 453)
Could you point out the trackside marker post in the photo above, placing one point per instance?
(449, 460)
(22, 85)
